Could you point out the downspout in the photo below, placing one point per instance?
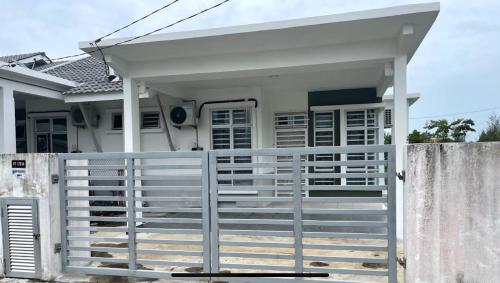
(167, 131)
(89, 126)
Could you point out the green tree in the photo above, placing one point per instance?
(440, 128)
(492, 131)
(387, 138)
(456, 131)
(419, 137)
(459, 129)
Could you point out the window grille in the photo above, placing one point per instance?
(290, 130)
(324, 135)
(361, 129)
(232, 129)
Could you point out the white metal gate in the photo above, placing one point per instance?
(21, 240)
(156, 218)
(190, 212)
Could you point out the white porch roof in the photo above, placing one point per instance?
(336, 51)
(32, 82)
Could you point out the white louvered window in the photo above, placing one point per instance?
(23, 238)
(361, 129)
(324, 135)
(290, 130)
(232, 129)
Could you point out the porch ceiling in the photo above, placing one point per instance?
(362, 75)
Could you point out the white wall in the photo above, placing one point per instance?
(36, 184)
(452, 213)
(270, 101)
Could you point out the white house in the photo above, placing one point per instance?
(319, 81)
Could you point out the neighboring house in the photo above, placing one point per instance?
(316, 81)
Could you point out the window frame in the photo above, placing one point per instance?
(326, 129)
(365, 128)
(378, 128)
(231, 126)
(286, 126)
(251, 125)
(110, 113)
(50, 133)
(322, 157)
(290, 126)
(113, 115)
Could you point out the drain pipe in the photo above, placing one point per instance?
(167, 131)
(89, 126)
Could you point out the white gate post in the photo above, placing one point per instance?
(400, 132)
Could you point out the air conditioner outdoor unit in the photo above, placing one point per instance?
(77, 119)
(183, 114)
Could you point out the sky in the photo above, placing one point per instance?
(456, 68)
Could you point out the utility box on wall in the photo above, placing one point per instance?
(29, 197)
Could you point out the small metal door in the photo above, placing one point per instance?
(21, 237)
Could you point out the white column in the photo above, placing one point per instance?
(132, 129)
(400, 133)
(131, 116)
(7, 120)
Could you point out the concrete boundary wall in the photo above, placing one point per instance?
(36, 184)
(452, 212)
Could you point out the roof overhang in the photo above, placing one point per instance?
(104, 96)
(35, 78)
(356, 40)
(411, 97)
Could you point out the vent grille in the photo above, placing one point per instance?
(21, 238)
(388, 118)
(150, 120)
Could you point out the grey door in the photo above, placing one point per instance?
(21, 237)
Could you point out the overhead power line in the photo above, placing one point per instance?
(148, 33)
(99, 49)
(453, 114)
(138, 20)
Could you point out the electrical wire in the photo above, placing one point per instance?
(99, 49)
(167, 26)
(453, 114)
(106, 68)
(138, 20)
(146, 34)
